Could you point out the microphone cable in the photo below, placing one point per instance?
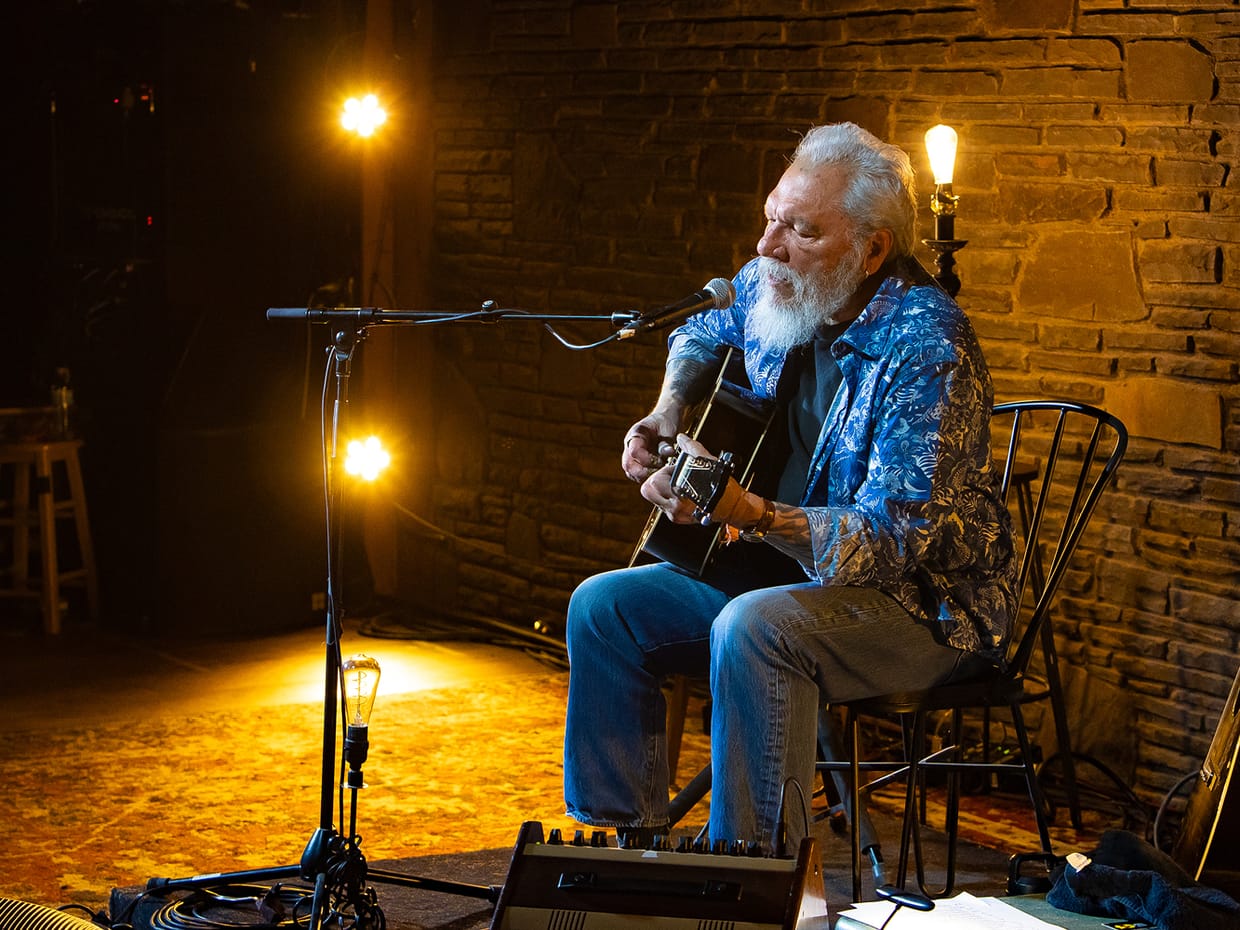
(252, 907)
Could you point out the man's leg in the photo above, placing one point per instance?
(627, 629)
(779, 654)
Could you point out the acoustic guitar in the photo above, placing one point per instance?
(1207, 847)
(733, 419)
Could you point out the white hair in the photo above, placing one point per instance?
(881, 185)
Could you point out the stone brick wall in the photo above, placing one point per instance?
(592, 157)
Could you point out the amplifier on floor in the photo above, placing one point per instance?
(564, 886)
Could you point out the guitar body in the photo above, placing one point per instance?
(1207, 847)
(734, 420)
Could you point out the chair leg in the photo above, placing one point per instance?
(910, 827)
(688, 797)
(863, 838)
(922, 748)
(912, 822)
(854, 790)
(952, 821)
(986, 745)
(47, 543)
(915, 799)
(1031, 778)
(677, 708)
(831, 751)
(1060, 714)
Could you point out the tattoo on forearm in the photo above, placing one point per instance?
(689, 380)
(790, 533)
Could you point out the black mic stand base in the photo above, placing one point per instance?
(278, 873)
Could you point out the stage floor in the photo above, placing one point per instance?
(128, 758)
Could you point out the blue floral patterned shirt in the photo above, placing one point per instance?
(902, 494)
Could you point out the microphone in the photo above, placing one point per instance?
(718, 294)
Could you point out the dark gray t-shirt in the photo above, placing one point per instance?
(817, 381)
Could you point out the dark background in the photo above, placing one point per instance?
(177, 175)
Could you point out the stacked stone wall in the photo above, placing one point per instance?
(595, 157)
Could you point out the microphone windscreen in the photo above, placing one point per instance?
(723, 292)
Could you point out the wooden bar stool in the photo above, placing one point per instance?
(40, 471)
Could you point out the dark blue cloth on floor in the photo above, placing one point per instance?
(1128, 878)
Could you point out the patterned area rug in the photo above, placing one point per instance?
(449, 772)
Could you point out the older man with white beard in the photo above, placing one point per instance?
(882, 559)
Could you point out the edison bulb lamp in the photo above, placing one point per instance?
(360, 679)
(941, 147)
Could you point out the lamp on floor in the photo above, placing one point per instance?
(361, 683)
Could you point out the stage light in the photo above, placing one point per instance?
(366, 458)
(363, 116)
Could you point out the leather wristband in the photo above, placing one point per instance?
(758, 531)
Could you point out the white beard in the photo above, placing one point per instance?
(782, 323)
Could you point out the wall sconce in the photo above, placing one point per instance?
(941, 147)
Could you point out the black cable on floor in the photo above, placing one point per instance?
(1165, 806)
(396, 621)
(254, 907)
(1113, 795)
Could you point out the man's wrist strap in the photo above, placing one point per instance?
(758, 531)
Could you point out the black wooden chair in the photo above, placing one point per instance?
(1075, 450)
(1078, 448)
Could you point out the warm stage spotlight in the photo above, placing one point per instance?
(366, 459)
(363, 116)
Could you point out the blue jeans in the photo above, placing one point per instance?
(775, 655)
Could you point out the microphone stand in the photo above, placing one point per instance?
(332, 861)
